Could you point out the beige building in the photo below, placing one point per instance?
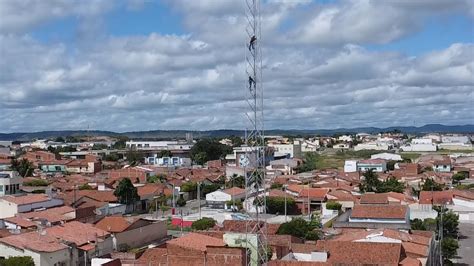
(13, 204)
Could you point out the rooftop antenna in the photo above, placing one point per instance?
(254, 163)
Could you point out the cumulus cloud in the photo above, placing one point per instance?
(197, 81)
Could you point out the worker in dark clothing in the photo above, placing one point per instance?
(252, 43)
(251, 82)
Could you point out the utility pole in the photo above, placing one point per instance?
(199, 197)
(284, 189)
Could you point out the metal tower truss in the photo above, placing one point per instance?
(254, 161)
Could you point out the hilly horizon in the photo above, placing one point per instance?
(172, 134)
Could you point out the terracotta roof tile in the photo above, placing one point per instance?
(376, 198)
(196, 241)
(153, 256)
(115, 224)
(34, 241)
(436, 197)
(357, 253)
(379, 211)
(234, 191)
(76, 232)
(26, 199)
(22, 222)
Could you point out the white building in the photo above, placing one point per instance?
(158, 145)
(285, 166)
(387, 156)
(11, 205)
(218, 199)
(350, 166)
(309, 145)
(455, 139)
(345, 138)
(422, 145)
(10, 182)
(169, 161)
(372, 146)
(287, 150)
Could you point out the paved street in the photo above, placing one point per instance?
(466, 244)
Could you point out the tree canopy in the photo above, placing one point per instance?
(206, 150)
(309, 162)
(17, 261)
(277, 205)
(300, 228)
(431, 185)
(23, 167)
(204, 223)
(125, 192)
(371, 183)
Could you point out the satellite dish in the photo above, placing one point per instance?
(97, 212)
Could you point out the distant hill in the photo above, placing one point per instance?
(171, 134)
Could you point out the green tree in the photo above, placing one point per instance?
(125, 192)
(134, 156)
(431, 185)
(309, 162)
(417, 224)
(160, 178)
(206, 149)
(391, 185)
(204, 223)
(18, 261)
(206, 189)
(100, 147)
(189, 187)
(458, 177)
(120, 143)
(449, 247)
(391, 165)
(23, 167)
(85, 187)
(298, 227)
(276, 186)
(236, 181)
(113, 157)
(181, 202)
(59, 139)
(333, 205)
(164, 153)
(450, 223)
(277, 205)
(371, 182)
(36, 183)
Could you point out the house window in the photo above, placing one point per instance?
(1, 188)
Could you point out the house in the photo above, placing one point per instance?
(376, 165)
(10, 182)
(132, 232)
(443, 165)
(420, 145)
(50, 217)
(198, 249)
(350, 166)
(68, 244)
(218, 198)
(372, 216)
(308, 198)
(286, 150)
(372, 146)
(40, 156)
(17, 223)
(13, 204)
(331, 252)
(169, 161)
(135, 174)
(284, 166)
(387, 156)
(459, 201)
(90, 165)
(169, 145)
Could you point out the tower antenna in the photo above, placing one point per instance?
(254, 165)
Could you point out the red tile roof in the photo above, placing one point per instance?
(154, 256)
(115, 224)
(77, 232)
(376, 198)
(239, 226)
(436, 197)
(379, 211)
(52, 215)
(22, 222)
(26, 199)
(34, 241)
(196, 241)
(358, 253)
(234, 191)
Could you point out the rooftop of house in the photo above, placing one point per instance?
(115, 224)
(77, 232)
(35, 241)
(342, 195)
(374, 198)
(26, 199)
(379, 211)
(234, 191)
(153, 256)
(357, 253)
(239, 226)
(196, 241)
(52, 215)
(19, 221)
(436, 197)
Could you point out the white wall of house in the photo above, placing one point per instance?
(367, 220)
(7, 209)
(462, 202)
(387, 156)
(350, 166)
(40, 258)
(37, 205)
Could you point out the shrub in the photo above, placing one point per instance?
(204, 223)
(333, 205)
(36, 183)
(181, 202)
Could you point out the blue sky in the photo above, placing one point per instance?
(176, 64)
